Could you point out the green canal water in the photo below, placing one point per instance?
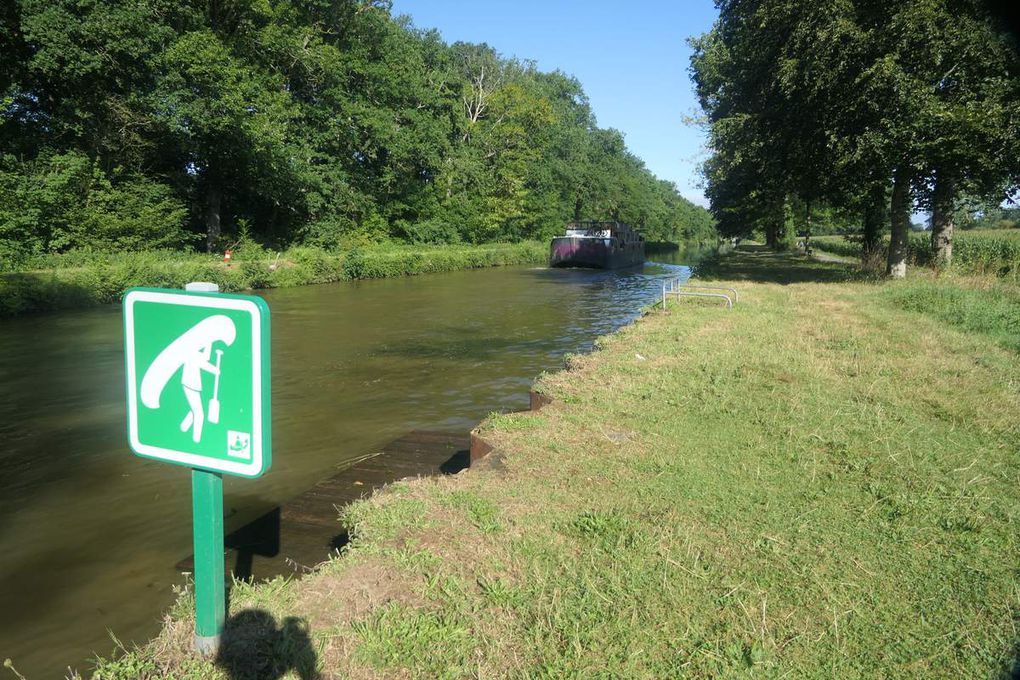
(90, 534)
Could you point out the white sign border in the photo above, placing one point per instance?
(250, 469)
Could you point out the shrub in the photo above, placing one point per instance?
(62, 202)
(84, 277)
(432, 232)
(354, 264)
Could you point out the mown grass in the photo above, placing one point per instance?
(818, 483)
(993, 252)
(85, 279)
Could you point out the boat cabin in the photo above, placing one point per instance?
(623, 233)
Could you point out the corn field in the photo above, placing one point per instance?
(995, 252)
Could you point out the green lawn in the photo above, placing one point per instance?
(822, 482)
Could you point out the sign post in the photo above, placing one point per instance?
(210, 588)
(198, 381)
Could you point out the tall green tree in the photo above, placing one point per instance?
(329, 122)
(965, 77)
(857, 104)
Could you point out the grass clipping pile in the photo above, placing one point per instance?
(816, 483)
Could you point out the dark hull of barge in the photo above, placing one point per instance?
(594, 253)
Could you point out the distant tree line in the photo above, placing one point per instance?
(859, 111)
(976, 216)
(130, 124)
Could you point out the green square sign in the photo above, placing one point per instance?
(198, 379)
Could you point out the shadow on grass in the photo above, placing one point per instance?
(253, 648)
(763, 265)
(1011, 666)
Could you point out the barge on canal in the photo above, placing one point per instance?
(601, 245)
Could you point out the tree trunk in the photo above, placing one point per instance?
(578, 205)
(213, 199)
(943, 199)
(874, 214)
(771, 235)
(899, 222)
(807, 229)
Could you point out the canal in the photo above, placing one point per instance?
(90, 534)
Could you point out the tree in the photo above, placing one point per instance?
(967, 82)
(228, 121)
(323, 121)
(833, 103)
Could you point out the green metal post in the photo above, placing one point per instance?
(210, 587)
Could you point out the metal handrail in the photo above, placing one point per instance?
(729, 302)
(736, 298)
(674, 286)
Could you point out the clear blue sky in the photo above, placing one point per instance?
(631, 59)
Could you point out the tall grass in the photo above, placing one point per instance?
(993, 252)
(992, 311)
(985, 254)
(84, 278)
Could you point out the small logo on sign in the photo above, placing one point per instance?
(238, 444)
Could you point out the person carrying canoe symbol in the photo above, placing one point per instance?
(190, 354)
(191, 381)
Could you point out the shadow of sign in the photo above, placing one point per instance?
(260, 537)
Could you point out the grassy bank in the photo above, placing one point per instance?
(993, 252)
(84, 279)
(821, 482)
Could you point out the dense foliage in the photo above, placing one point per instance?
(984, 217)
(166, 123)
(870, 108)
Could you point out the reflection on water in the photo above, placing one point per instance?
(89, 533)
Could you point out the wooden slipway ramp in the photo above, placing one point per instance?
(302, 532)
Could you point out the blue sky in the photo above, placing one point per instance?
(631, 59)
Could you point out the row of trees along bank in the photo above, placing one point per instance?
(140, 124)
(865, 109)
